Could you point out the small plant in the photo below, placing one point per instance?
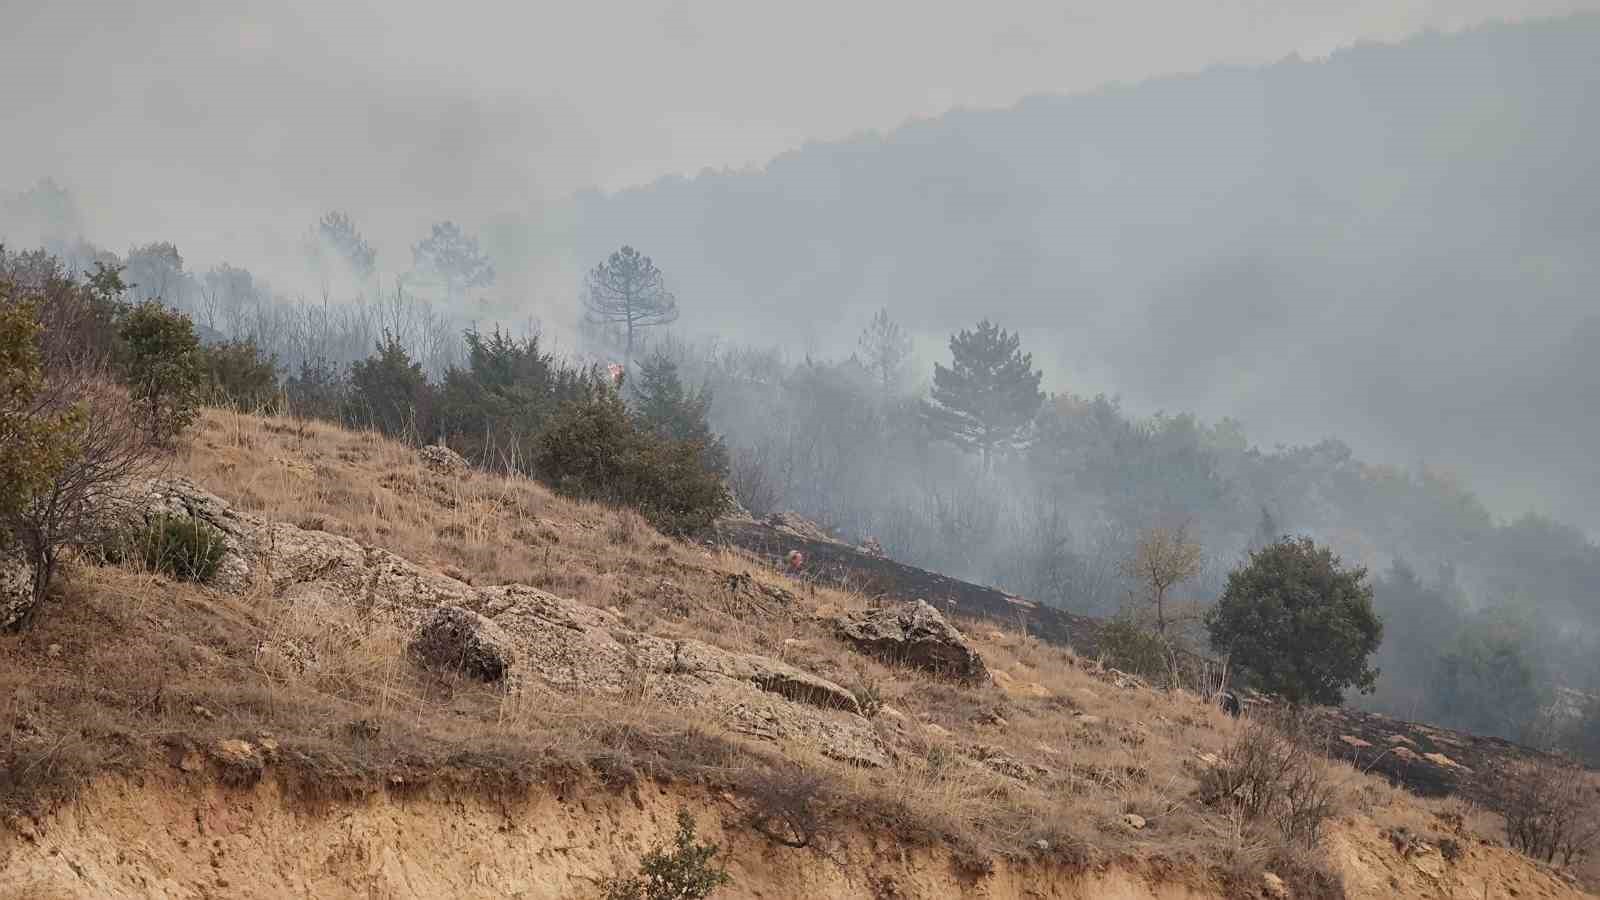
(868, 696)
(1271, 774)
(685, 872)
(187, 549)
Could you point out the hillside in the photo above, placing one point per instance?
(1329, 247)
(272, 734)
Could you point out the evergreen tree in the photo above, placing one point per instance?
(164, 370)
(884, 348)
(390, 389)
(1299, 623)
(987, 399)
(628, 290)
(452, 256)
(664, 407)
(338, 231)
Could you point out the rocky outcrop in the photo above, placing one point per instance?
(145, 502)
(573, 646)
(441, 460)
(795, 524)
(509, 633)
(913, 634)
(16, 589)
(461, 640)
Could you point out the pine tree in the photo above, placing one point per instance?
(452, 256)
(884, 348)
(628, 290)
(987, 399)
(664, 407)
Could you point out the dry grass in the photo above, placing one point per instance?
(1051, 759)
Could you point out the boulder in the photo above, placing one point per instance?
(913, 634)
(441, 460)
(141, 503)
(16, 590)
(460, 639)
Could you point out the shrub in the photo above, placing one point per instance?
(321, 390)
(163, 368)
(389, 392)
(33, 447)
(236, 372)
(1270, 774)
(1552, 809)
(1132, 649)
(1298, 623)
(593, 450)
(685, 872)
(187, 549)
(790, 805)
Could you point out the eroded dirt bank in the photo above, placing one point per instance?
(172, 838)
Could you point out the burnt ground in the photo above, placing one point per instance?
(835, 563)
(1424, 759)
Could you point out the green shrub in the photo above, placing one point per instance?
(593, 450)
(163, 368)
(237, 373)
(685, 872)
(1132, 649)
(187, 549)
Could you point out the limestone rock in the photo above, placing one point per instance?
(460, 639)
(142, 503)
(1134, 821)
(573, 646)
(441, 460)
(913, 634)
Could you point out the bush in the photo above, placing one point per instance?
(1552, 809)
(163, 368)
(790, 805)
(1132, 649)
(187, 549)
(389, 392)
(237, 373)
(593, 450)
(321, 390)
(1271, 774)
(686, 872)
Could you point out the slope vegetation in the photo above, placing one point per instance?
(274, 733)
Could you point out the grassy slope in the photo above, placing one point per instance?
(126, 669)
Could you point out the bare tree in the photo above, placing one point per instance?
(627, 289)
(1162, 559)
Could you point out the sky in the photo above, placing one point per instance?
(228, 126)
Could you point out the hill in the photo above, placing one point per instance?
(1394, 245)
(282, 730)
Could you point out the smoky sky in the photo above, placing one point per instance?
(220, 125)
(228, 127)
